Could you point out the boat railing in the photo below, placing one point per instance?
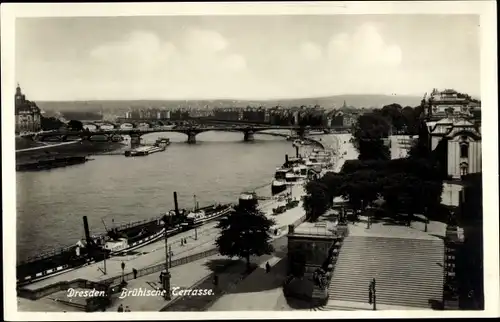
(137, 223)
(46, 254)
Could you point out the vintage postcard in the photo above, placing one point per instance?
(250, 160)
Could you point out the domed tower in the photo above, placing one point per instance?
(19, 95)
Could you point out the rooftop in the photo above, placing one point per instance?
(326, 225)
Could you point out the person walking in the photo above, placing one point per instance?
(120, 308)
(135, 273)
(268, 267)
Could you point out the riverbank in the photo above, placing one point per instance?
(150, 255)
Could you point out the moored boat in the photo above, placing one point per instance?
(279, 183)
(116, 241)
(248, 200)
(198, 217)
(143, 151)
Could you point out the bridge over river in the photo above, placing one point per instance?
(115, 134)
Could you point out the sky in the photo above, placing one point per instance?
(245, 57)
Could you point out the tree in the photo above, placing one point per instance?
(245, 232)
(393, 113)
(411, 120)
(317, 200)
(373, 150)
(369, 132)
(75, 125)
(421, 148)
(361, 188)
(50, 123)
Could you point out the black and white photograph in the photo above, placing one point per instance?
(293, 159)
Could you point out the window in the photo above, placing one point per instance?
(464, 169)
(464, 150)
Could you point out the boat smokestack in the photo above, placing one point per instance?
(297, 151)
(286, 159)
(87, 231)
(176, 204)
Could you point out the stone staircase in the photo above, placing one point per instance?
(408, 272)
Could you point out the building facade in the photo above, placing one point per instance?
(449, 103)
(27, 114)
(463, 143)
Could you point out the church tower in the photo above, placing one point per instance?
(19, 94)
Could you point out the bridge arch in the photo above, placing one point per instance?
(107, 126)
(91, 126)
(144, 125)
(126, 126)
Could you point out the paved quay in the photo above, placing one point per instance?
(259, 291)
(384, 228)
(183, 276)
(154, 253)
(94, 272)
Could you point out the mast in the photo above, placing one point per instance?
(106, 228)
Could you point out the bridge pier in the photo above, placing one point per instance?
(191, 137)
(135, 140)
(300, 132)
(248, 136)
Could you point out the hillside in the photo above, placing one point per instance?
(329, 102)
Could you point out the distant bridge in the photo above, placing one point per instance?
(114, 134)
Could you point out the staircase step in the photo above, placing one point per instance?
(409, 272)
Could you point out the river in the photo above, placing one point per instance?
(50, 204)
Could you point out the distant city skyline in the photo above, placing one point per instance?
(245, 57)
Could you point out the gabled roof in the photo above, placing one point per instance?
(463, 123)
(444, 121)
(458, 131)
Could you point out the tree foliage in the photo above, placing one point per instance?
(317, 199)
(75, 125)
(408, 185)
(51, 123)
(369, 132)
(402, 120)
(244, 233)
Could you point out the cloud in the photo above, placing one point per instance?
(206, 63)
(198, 63)
(204, 41)
(364, 48)
(311, 51)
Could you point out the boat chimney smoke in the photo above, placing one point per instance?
(176, 204)
(87, 231)
(297, 151)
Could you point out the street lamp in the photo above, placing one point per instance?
(123, 273)
(426, 219)
(166, 275)
(372, 294)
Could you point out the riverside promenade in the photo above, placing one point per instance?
(263, 291)
(183, 276)
(201, 240)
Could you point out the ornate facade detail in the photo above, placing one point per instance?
(28, 115)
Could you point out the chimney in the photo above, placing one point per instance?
(291, 229)
(87, 231)
(286, 159)
(297, 151)
(176, 204)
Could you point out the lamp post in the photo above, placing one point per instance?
(372, 294)
(123, 273)
(426, 219)
(166, 275)
(105, 264)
